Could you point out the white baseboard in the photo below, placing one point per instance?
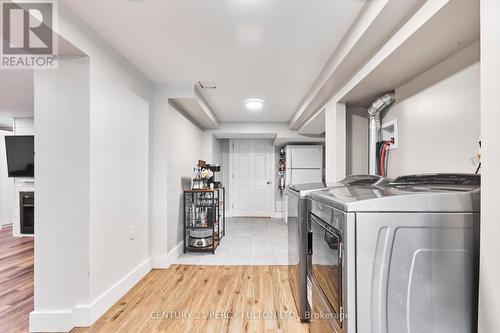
(51, 321)
(163, 262)
(160, 262)
(86, 314)
(276, 215)
(175, 253)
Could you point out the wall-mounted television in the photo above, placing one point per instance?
(20, 155)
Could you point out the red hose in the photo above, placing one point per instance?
(385, 146)
(382, 157)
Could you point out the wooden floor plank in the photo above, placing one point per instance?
(16, 281)
(206, 299)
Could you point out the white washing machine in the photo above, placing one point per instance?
(395, 259)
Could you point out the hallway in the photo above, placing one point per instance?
(248, 241)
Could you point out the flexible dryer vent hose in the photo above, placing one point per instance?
(374, 111)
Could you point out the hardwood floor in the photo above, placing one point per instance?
(179, 299)
(206, 299)
(16, 281)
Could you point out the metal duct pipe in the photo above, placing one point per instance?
(374, 111)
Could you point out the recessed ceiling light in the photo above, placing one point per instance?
(254, 103)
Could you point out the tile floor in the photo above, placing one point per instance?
(248, 241)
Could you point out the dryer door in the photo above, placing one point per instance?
(327, 267)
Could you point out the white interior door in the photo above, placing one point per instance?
(252, 178)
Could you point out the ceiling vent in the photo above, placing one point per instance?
(207, 84)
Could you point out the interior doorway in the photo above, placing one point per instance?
(16, 181)
(251, 181)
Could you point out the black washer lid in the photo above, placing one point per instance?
(451, 179)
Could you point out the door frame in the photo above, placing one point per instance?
(271, 175)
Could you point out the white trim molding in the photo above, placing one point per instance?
(51, 321)
(164, 262)
(85, 315)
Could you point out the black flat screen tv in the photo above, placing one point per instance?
(20, 155)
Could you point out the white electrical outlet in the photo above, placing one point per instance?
(132, 232)
(389, 130)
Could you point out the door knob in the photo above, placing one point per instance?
(268, 183)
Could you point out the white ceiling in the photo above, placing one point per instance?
(315, 125)
(269, 49)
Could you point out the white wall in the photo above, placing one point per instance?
(24, 126)
(356, 141)
(278, 131)
(119, 161)
(489, 286)
(6, 184)
(253, 130)
(438, 118)
(118, 196)
(185, 147)
(217, 148)
(335, 141)
(177, 146)
(158, 160)
(225, 176)
(62, 194)
(119, 171)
